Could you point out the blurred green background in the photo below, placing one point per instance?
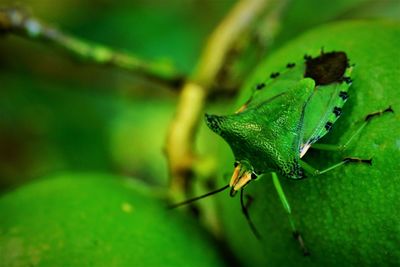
(57, 114)
(60, 115)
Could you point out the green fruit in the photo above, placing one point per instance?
(348, 216)
(96, 220)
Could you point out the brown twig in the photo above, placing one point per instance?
(15, 21)
(181, 136)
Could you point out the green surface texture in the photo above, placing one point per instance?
(349, 216)
(96, 220)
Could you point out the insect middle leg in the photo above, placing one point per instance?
(315, 172)
(344, 146)
(286, 206)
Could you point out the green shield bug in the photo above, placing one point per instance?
(284, 117)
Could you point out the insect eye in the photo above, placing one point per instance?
(253, 176)
(235, 164)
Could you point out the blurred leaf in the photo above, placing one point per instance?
(305, 14)
(59, 114)
(137, 136)
(47, 126)
(49, 129)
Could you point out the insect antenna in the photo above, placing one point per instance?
(197, 198)
(247, 216)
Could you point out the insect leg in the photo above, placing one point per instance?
(286, 206)
(343, 147)
(247, 216)
(314, 172)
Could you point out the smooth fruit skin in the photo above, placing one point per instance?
(347, 217)
(97, 220)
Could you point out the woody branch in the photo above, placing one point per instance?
(180, 140)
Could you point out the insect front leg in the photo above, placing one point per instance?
(286, 206)
(246, 213)
(344, 146)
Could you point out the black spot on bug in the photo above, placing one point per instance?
(260, 86)
(235, 164)
(274, 75)
(343, 95)
(290, 65)
(347, 80)
(253, 176)
(326, 68)
(337, 111)
(328, 126)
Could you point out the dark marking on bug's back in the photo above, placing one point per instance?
(343, 95)
(326, 68)
(290, 65)
(328, 126)
(337, 111)
(307, 57)
(274, 75)
(347, 80)
(260, 86)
